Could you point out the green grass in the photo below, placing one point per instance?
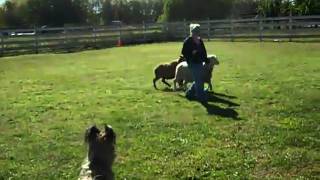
(48, 100)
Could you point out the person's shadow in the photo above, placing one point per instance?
(214, 109)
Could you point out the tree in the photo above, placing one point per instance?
(107, 12)
(27, 13)
(56, 12)
(269, 8)
(2, 21)
(307, 7)
(173, 10)
(131, 11)
(177, 10)
(12, 14)
(244, 8)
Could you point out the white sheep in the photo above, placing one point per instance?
(184, 75)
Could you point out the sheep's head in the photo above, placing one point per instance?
(213, 60)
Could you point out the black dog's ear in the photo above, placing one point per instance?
(181, 59)
(110, 134)
(91, 133)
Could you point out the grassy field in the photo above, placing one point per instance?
(48, 100)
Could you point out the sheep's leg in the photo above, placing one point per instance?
(181, 84)
(164, 81)
(154, 82)
(175, 84)
(185, 83)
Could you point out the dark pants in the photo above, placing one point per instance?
(197, 89)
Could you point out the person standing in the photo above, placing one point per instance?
(195, 53)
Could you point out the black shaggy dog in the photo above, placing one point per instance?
(101, 152)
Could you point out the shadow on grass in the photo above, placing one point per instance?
(223, 112)
(214, 109)
(222, 95)
(214, 97)
(167, 89)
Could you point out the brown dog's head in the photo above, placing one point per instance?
(101, 152)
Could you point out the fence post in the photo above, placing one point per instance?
(120, 35)
(2, 44)
(290, 27)
(65, 38)
(94, 36)
(144, 31)
(36, 40)
(185, 28)
(231, 29)
(209, 28)
(165, 30)
(260, 29)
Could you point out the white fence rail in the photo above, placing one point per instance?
(20, 41)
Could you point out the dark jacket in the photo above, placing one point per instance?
(188, 46)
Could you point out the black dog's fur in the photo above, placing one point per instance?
(101, 152)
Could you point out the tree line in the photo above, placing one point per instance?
(29, 13)
(177, 10)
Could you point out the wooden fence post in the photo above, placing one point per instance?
(65, 42)
(165, 30)
(144, 30)
(260, 29)
(185, 28)
(94, 36)
(2, 44)
(209, 28)
(120, 34)
(231, 29)
(36, 40)
(290, 27)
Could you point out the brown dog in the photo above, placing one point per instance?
(101, 153)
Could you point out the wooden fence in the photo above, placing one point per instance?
(21, 41)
